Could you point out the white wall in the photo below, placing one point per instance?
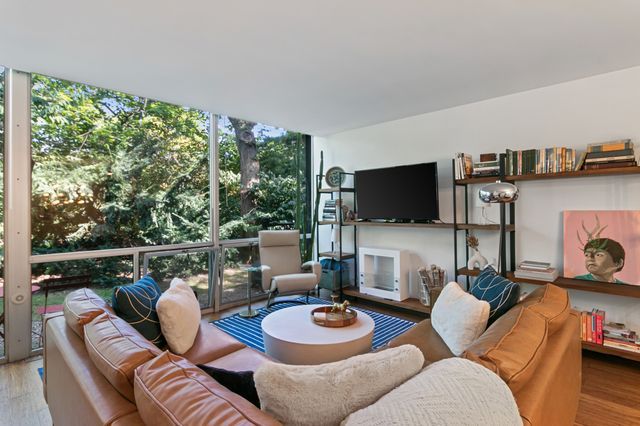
(572, 114)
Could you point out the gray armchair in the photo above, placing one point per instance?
(282, 272)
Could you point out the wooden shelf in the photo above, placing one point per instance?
(594, 347)
(473, 180)
(401, 225)
(486, 227)
(336, 255)
(408, 304)
(334, 190)
(328, 222)
(543, 176)
(572, 283)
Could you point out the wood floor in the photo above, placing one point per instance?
(610, 387)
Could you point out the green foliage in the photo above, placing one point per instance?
(112, 170)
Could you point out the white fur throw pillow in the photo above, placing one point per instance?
(459, 318)
(179, 314)
(326, 394)
(453, 391)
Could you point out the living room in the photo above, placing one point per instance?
(331, 88)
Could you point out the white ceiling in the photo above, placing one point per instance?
(320, 66)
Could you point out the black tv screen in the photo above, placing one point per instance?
(398, 193)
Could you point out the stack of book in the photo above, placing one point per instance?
(608, 155)
(538, 161)
(463, 165)
(617, 335)
(534, 270)
(329, 211)
(592, 326)
(487, 166)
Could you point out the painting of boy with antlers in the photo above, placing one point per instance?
(598, 237)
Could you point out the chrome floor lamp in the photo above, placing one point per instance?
(502, 193)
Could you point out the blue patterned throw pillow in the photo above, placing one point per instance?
(501, 293)
(136, 304)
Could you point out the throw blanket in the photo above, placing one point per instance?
(449, 392)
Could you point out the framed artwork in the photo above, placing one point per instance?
(602, 245)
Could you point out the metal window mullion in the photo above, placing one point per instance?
(215, 288)
(17, 208)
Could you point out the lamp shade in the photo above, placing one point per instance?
(498, 192)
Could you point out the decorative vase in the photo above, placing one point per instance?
(477, 259)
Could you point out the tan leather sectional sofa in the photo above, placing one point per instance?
(98, 370)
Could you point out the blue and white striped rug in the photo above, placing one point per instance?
(249, 332)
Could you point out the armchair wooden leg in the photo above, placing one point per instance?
(308, 296)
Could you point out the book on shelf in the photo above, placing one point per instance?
(617, 153)
(592, 326)
(539, 161)
(485, 164)
(617, 344)
(580, 162)
(534, 264)
(614, 165)
(620, 158)
(615, 145)
(463, 165)
(549, 274)
(616, 330)
(489, 156)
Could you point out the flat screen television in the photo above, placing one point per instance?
(402, 193)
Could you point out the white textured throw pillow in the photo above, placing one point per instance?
(453, 391)
(326, 394)
(179, 314)
(458, 317)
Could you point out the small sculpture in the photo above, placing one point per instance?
(339, 307)
(477, 259)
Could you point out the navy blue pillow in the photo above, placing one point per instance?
(240, 382)
(136, 304)
(501, 293)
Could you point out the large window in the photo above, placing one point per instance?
(263, 184)
(125, 180)
(263, 178)
(112, 170)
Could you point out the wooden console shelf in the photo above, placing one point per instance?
(542, 176)
(400, 225)
(409, 304)
(337, 255)
(335, 190)
(584, 285)
(471, 226)
(634, 356)
(487, 227)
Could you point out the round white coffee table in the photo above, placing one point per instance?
(291, 337)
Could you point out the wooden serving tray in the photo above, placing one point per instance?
(333, 319)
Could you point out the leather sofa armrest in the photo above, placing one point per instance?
(267, 274)
(312, 266)
(211, 343)
(425, 338)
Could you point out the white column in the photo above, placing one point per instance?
(17, 208)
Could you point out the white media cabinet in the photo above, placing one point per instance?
(383, 273)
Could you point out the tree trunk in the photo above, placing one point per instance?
(249, 164)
